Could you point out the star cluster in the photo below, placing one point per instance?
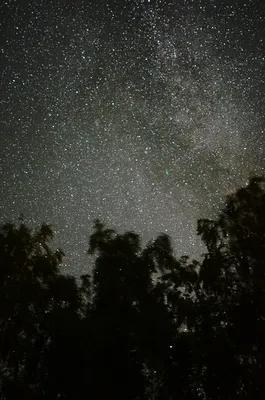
(141, 113)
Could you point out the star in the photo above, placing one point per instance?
(144, 116)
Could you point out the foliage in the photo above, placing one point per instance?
(142, 324)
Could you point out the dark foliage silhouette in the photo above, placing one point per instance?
(142, 324)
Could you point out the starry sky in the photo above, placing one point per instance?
(142, 113)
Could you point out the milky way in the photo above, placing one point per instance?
(144, 114)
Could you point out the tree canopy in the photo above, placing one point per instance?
(142, 324)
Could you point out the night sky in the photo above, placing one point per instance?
(142, 113)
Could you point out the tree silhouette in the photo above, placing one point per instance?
(232, 276)
(142, 324)
(33, 298)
